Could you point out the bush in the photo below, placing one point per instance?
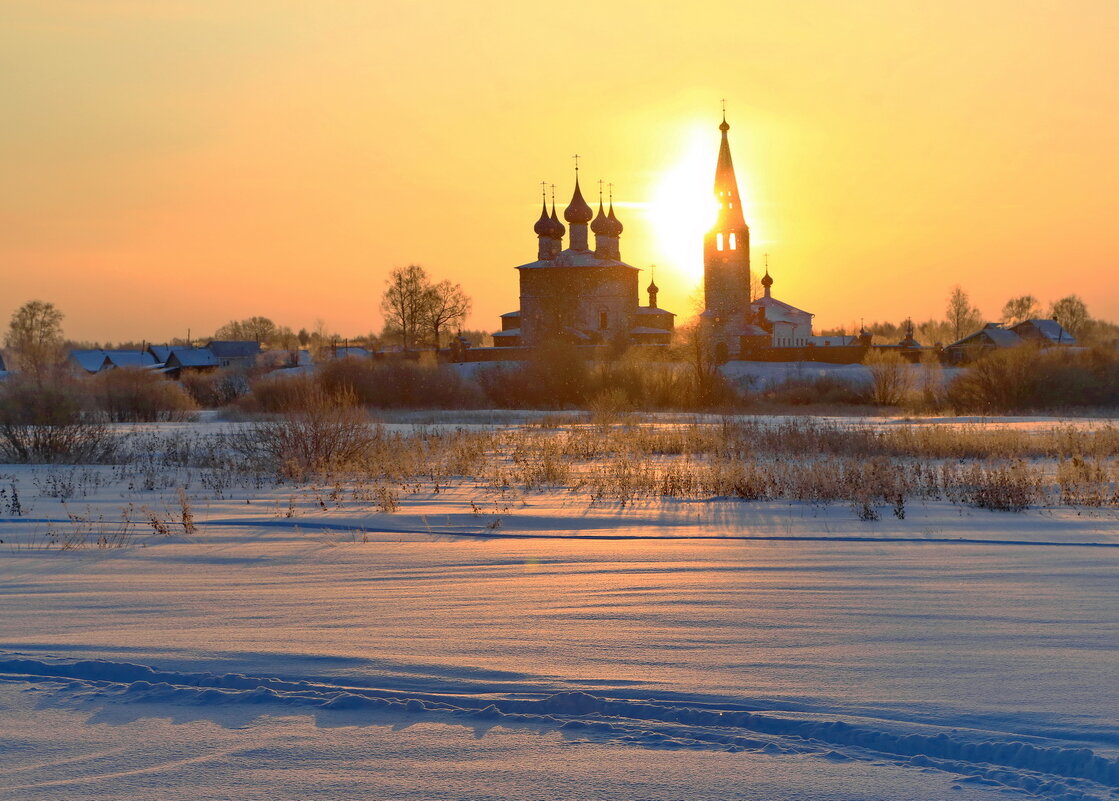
(278, 393)
(891, 377)
(399, 384)
(132, 395)
(45, 423)
(316, 432)
(555, 377)
(215, 389)
(1026, 378)
(802, 391)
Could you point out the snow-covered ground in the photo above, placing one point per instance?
(539, 646)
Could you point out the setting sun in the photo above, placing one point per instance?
(683, 206)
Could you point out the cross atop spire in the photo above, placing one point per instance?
(576, 157)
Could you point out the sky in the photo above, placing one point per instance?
(169, 165)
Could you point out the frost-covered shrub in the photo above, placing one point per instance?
(215, 389)
(801, 391)
(1026, 378)
(399, 384)
(317, 432)
(134, 395)
(891, 377)
(44, 422)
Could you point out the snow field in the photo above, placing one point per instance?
(303, 641)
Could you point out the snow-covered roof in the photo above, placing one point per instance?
(161, 352)
(192, 357)
(131, 358)
(225, 349)
(998, 336)
(1049, 330)
(575, 258)
(777, 310)
(516, 313)
(657, 311)
(511, 332)
(92, 361)
(644, 329)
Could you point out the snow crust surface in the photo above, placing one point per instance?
(668, 650)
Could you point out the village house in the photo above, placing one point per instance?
(992, 336)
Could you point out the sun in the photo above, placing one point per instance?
(683, 207)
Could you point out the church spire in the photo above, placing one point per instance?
(726, 185)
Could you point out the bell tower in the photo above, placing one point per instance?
(726, 247)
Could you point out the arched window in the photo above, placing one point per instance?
(603, 319)
(733, 242)
(718, 241)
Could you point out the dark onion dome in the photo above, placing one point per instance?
(616, 226)
(577, 210)
(767, 282)
(723, 125)
(543, 226)
(601, 224)
(557, 227)
(653, 288)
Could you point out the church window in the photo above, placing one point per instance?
(733, 242)
(603, 319)
(718, 241)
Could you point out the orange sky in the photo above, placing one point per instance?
(173, 164)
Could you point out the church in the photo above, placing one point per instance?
(581, 295)
(739, 326)
(588, 296)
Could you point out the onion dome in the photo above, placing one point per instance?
(767, 282)
(543, 226)
(616, 226)
(601, 225)
(653, 288)
(577, 211)
(723, 126)
(557, 227)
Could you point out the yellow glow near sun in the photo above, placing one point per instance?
(683, 207)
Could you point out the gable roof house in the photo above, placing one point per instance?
(990, 337)
(193, 360)
(89, 361)
(1046, 333)
(234, 353)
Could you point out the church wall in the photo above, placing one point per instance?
(556, 298)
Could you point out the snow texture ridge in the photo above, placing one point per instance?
(1048, 771)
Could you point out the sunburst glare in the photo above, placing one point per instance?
(683, 206)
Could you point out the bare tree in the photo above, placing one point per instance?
(1020, 309)
(446, 306)
(1072, 313)
(405, 302)
(891, 377)
(35, 337)
(962, 316)
(258, 329)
